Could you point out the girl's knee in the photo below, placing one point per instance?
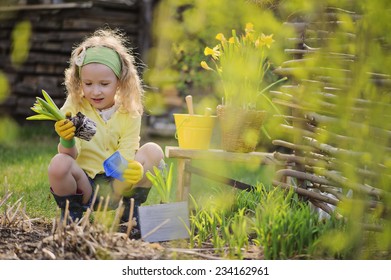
(151, 152)
(60, 165)
(152, 147)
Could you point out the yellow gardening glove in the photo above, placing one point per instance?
(65, 128)
(134, 172)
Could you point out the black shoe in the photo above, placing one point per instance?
(139, 195)
(75, 207)
(134, 232)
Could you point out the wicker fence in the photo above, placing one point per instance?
(326, 110)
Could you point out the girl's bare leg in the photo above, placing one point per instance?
(149, 155)
(67, 178)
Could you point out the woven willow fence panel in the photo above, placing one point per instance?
(336, 117)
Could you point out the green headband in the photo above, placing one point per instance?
(102, 55)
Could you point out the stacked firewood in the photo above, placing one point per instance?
(55, 29)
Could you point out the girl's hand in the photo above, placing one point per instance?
(65, 128)
(134, 172)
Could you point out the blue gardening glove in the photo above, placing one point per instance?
(134, 172)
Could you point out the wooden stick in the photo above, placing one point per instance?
(130, 222)
(9, 210)
(66, 213)
(106, 206)
(156, 228)
(15, 212)
(46, 7)
(100, 204)
(86, 218)
(330, 190)
(189, 103)
(339, 180)
(307, 193)
(49, 253)
(304, 160)
(323, 206)
(5, 198)
(94, 198)
(192, 252)
(118, 214)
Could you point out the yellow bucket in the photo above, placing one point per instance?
(194, 131)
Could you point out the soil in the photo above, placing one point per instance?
(16, 243)
(74, 242)
(39, 243)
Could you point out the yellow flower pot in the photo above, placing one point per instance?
(194, 131)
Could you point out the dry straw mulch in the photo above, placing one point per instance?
(22, 238)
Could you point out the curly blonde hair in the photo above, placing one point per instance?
(130, 91)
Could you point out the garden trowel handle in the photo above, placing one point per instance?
(189, 103)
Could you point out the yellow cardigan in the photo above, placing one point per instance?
(121, 132)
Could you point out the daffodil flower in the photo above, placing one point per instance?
(266, 40)
(249, 27)
(249, 37)
(257, 43)
(241, 63)
(215, 53)
(205, 65)
(221, 37)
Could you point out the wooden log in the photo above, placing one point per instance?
(47, 58)
(306, 160)
(306, 193)
(338, 179)
(7, 9)
(23, 106)
(292, 146)
(324, 120)
(215, 154)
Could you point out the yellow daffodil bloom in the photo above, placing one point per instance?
(266, 40)
(215, 53)
(233, 59)
(249, 27)
(221, 37)
(205, 65)
(249, 37)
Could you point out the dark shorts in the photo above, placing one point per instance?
(105, 192)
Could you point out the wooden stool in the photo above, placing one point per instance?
(184, 157)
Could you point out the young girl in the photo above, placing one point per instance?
(102, 83)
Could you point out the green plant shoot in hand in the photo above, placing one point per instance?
(46, 110)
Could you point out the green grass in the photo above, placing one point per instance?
(23, 169)
(278, 222)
